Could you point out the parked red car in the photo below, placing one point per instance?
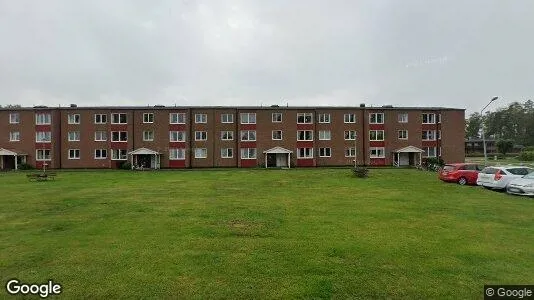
(462, 173)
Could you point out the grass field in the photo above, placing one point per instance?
(312, 233)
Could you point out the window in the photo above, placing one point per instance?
(277, 117)
(43, 119)
(376, 118)
(376, 135)
(438, 135)
(248, 135)
(305, 135)
(101, 153)
(429, 118)
(325, 152)
(148, 118)
(248, 118)
(14, 136)
(148, 136)
(177, 118)
(118, 119)
(74, 136)
(305, 153)
(119, 136)
(277, 135)
(177, 136)
(227, 135)
(74, 153)
(227, 152)
(118, 154)
(201, 135)
(176, 153)
(403, 134)
(304, 118)
(324, 118)
(430, 151)
(439, 118)
(350, 135)
(74, 119)
(403, 117)
(325, 135)
(201, 152)
(350, 152)
(43, 136)
(14, 118)
(377, 152)
(101, 136)
(201, 118)
(101, 119)
(428, 135)
(227, 118)
(248, 153)
(349, 118)
(43, 154)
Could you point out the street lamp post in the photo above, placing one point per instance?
(482, 128)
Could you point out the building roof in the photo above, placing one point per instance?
(4, 151)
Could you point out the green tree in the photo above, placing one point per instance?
(474, 123)
(505, 146)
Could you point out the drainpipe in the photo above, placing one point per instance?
(190, 135)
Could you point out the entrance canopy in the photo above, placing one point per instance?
(9, 159)
(142, 158)
(276, 150)
(278, 157)
(144, 151)
(409, 149)
(407, 156)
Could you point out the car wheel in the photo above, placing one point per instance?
(462, 181)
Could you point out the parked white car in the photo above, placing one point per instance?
(522, 186)
(498, 178)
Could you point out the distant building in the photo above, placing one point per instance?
(476, 146)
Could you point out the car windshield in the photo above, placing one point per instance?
(529, 176)
(489, 170)
(448, 168)
(518, 171)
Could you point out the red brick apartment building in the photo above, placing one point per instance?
(193, 137)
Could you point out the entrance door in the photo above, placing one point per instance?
(271, 160)
(404, 159)
(144, 160)
(8, 162)
(412, 159)
(281, 160)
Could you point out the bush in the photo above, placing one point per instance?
(126, 166)
(434, 161)
(529, 148)
(526, 155)
(25, 167)
(360, 172)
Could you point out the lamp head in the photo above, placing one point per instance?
(494, 98)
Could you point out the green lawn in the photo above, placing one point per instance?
(307, 233)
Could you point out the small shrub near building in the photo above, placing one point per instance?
(360, 172)
(526, 155)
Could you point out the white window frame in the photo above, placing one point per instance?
(438, 135)
(248, 153)
(349, 135)
(122, 154)
(248, 135)
(227, 118)
(305, 117)
(73, 152)
(180, 136)
(402, 136)
(73, 136)
(14, 118)
(201, 135)
(322, 152)
(43, 137)
(148, 118)
(308, 135)
(14, 136)
(376, 117)
(176, 153)
(227, 152)
(430, 118)
(377, 135)
(119, 117)
(323, 118)
(350, 152)
(201, 153)
(180, 118)
(120, 140)
(103, 118)
(148, 135)
(227, 135)
(102, 154)
(247, 118)
(349, 118)
(380, 152)
(402, 117)
(43, 119)
(275, 138)
(325, 135)
(307, 153)
(430, 135)
(73, 118)
(101, 136)
(427, 152)
(43, 157)
(439, 118)
(276, 117)
(201, 118)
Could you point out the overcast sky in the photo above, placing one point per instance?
(258, 52)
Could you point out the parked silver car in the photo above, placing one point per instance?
(498, 178)
(522, 186)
